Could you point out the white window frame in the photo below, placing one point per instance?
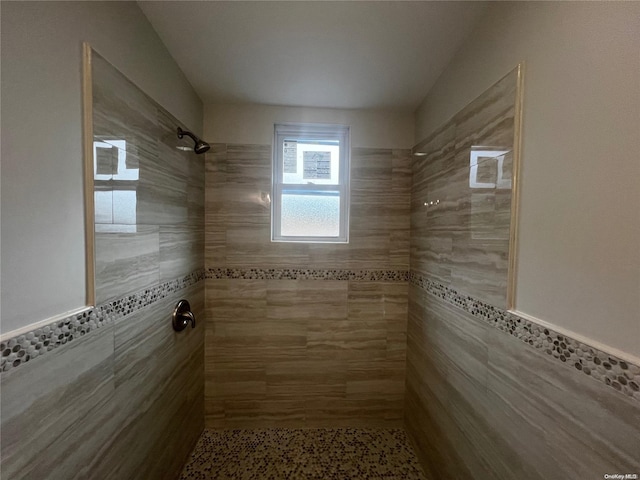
(301, 132)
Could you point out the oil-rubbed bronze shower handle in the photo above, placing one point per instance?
(182, 316)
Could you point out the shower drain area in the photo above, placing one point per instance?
(284, 453)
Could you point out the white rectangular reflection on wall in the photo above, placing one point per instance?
(124, 207)
(115, 183)
(103, 204)
(487, 167)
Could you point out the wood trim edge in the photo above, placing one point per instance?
(515, 192)
(89, 208)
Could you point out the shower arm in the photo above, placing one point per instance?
(182, 133)
(200, 145)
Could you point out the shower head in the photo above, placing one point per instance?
(200, 146)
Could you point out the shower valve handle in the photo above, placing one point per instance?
(182, 316)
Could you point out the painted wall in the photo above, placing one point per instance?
(253, 124)
(579, 262)
(43, 253)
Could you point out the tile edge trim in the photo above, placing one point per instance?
(618, 374)
(23, 347)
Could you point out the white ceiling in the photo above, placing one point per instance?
(359, 54)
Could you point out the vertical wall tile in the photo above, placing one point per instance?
(563, 410)
(304, 352)
(458, 240)
(159, 377)
(122, 113)
(278, 352)
(181, 250)
(460, 215)
(489, 119)
(126, 262)
(492, 404)
(57, 409)
(238, 185)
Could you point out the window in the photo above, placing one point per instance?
(310, 194)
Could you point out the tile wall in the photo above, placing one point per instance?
(489, 394)
(305, 334)
(459, 233)
(114, 392)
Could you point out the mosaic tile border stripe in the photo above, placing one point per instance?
(307, 274)
(19, 350)
(608, 369)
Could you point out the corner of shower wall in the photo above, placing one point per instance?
(488, 393)
(114, 392)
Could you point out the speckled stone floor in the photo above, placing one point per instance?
(321, 454)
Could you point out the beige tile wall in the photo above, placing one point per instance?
(460, 234)
(164, 237)
(482, 404)
(305, 352)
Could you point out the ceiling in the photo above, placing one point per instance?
(357, 54)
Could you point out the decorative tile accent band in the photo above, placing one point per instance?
(608, 369)
(307, 274)
(19, 350)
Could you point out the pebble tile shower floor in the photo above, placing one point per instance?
(320, 454)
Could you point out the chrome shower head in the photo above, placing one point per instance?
(200, 147)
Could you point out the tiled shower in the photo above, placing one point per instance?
(305, 335)
(400, 337)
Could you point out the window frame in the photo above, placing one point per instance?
(301, 132)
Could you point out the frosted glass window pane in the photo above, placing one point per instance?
(311, 215)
